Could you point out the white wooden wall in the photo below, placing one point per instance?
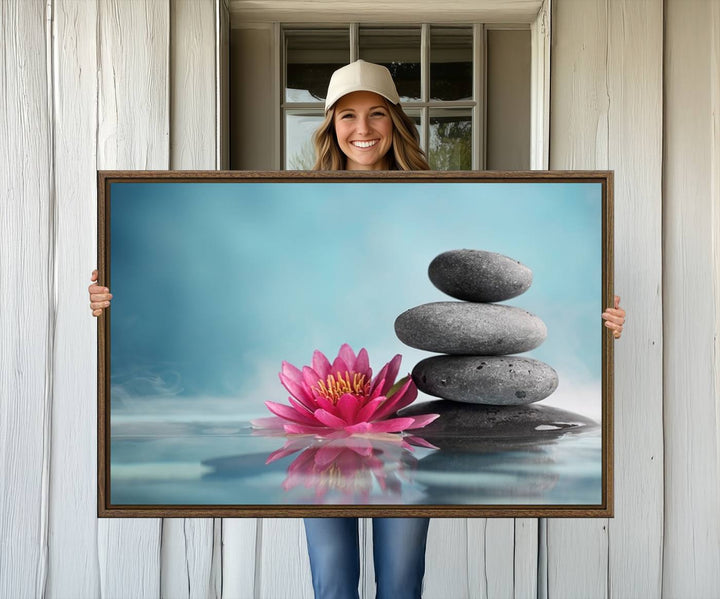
(635, 87)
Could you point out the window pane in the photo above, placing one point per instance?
(414, 114)
(450, 139)
(451, 55)
(398, 50)
(299, 149)
(311, 58)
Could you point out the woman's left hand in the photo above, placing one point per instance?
(615, 318)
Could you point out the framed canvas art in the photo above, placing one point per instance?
(355, 344)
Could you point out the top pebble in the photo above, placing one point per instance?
(479, 276)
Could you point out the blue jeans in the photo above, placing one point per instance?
(398, 552)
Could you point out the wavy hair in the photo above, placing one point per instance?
(405, 153)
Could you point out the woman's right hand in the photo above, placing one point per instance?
(99, 296)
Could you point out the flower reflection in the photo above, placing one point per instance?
(349, 466)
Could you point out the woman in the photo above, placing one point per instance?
(365, 129)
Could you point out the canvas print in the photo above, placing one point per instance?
(380, 345)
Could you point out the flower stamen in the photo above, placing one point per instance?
(336, 385)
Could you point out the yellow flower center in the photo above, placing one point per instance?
(336, 385)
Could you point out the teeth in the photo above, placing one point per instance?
(364, 144)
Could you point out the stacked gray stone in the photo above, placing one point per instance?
(476, 335)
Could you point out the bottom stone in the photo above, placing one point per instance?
(472, 427)
(493, 380)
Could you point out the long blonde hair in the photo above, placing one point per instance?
(405, 153)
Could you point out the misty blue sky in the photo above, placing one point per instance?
(214, 284)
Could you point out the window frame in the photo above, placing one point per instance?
(274, 12)
(476, 106)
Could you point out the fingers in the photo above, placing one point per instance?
(99, 296)
(617, 301)
(615, 328)
(612, 316)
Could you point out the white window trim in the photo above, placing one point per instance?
(539, 22)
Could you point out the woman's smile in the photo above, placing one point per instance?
(364, 144)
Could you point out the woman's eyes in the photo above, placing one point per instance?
(350, 115)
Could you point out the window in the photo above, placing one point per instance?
(466, 86)
(434, 70)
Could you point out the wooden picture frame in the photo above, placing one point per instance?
(218, 277)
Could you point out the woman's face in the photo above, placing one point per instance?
(364, 130)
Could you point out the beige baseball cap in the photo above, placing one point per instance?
(361, 76)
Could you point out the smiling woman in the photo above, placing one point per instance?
(365, 127)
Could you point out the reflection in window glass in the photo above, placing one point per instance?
(450, 146)
(311, 58)
(451, 56)
(398, 50)
(415, 117)
(299, 149)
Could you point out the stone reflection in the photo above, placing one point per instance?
(493, 454)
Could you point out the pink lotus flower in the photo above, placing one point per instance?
(344, 396)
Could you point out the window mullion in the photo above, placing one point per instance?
(425, 85)
(354, 42)
(479, 112)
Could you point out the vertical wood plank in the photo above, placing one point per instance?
(447, 558)
(193, 85)
(635, 88)
(283, 568)
(133, 132)
(239, 557)
(189, 566)
(26, 297)
(491, 556)
(187, 558)
(73, 563)
(577, 550)
(690, 285)
(525, 578)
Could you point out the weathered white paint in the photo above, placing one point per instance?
(527, 555)
(635, 117)
(607, 113)
(133, 133)
(72, 550)
(692, 395)
(187, 544)
(446, 564)
(577, 552)
(193, 85)
(239, 557)
(370, 11)
(27, 305)
(282, 567)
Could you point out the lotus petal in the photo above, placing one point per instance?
(290, 413)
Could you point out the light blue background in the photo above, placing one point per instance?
(214, 284)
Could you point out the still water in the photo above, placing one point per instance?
(222, 463)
